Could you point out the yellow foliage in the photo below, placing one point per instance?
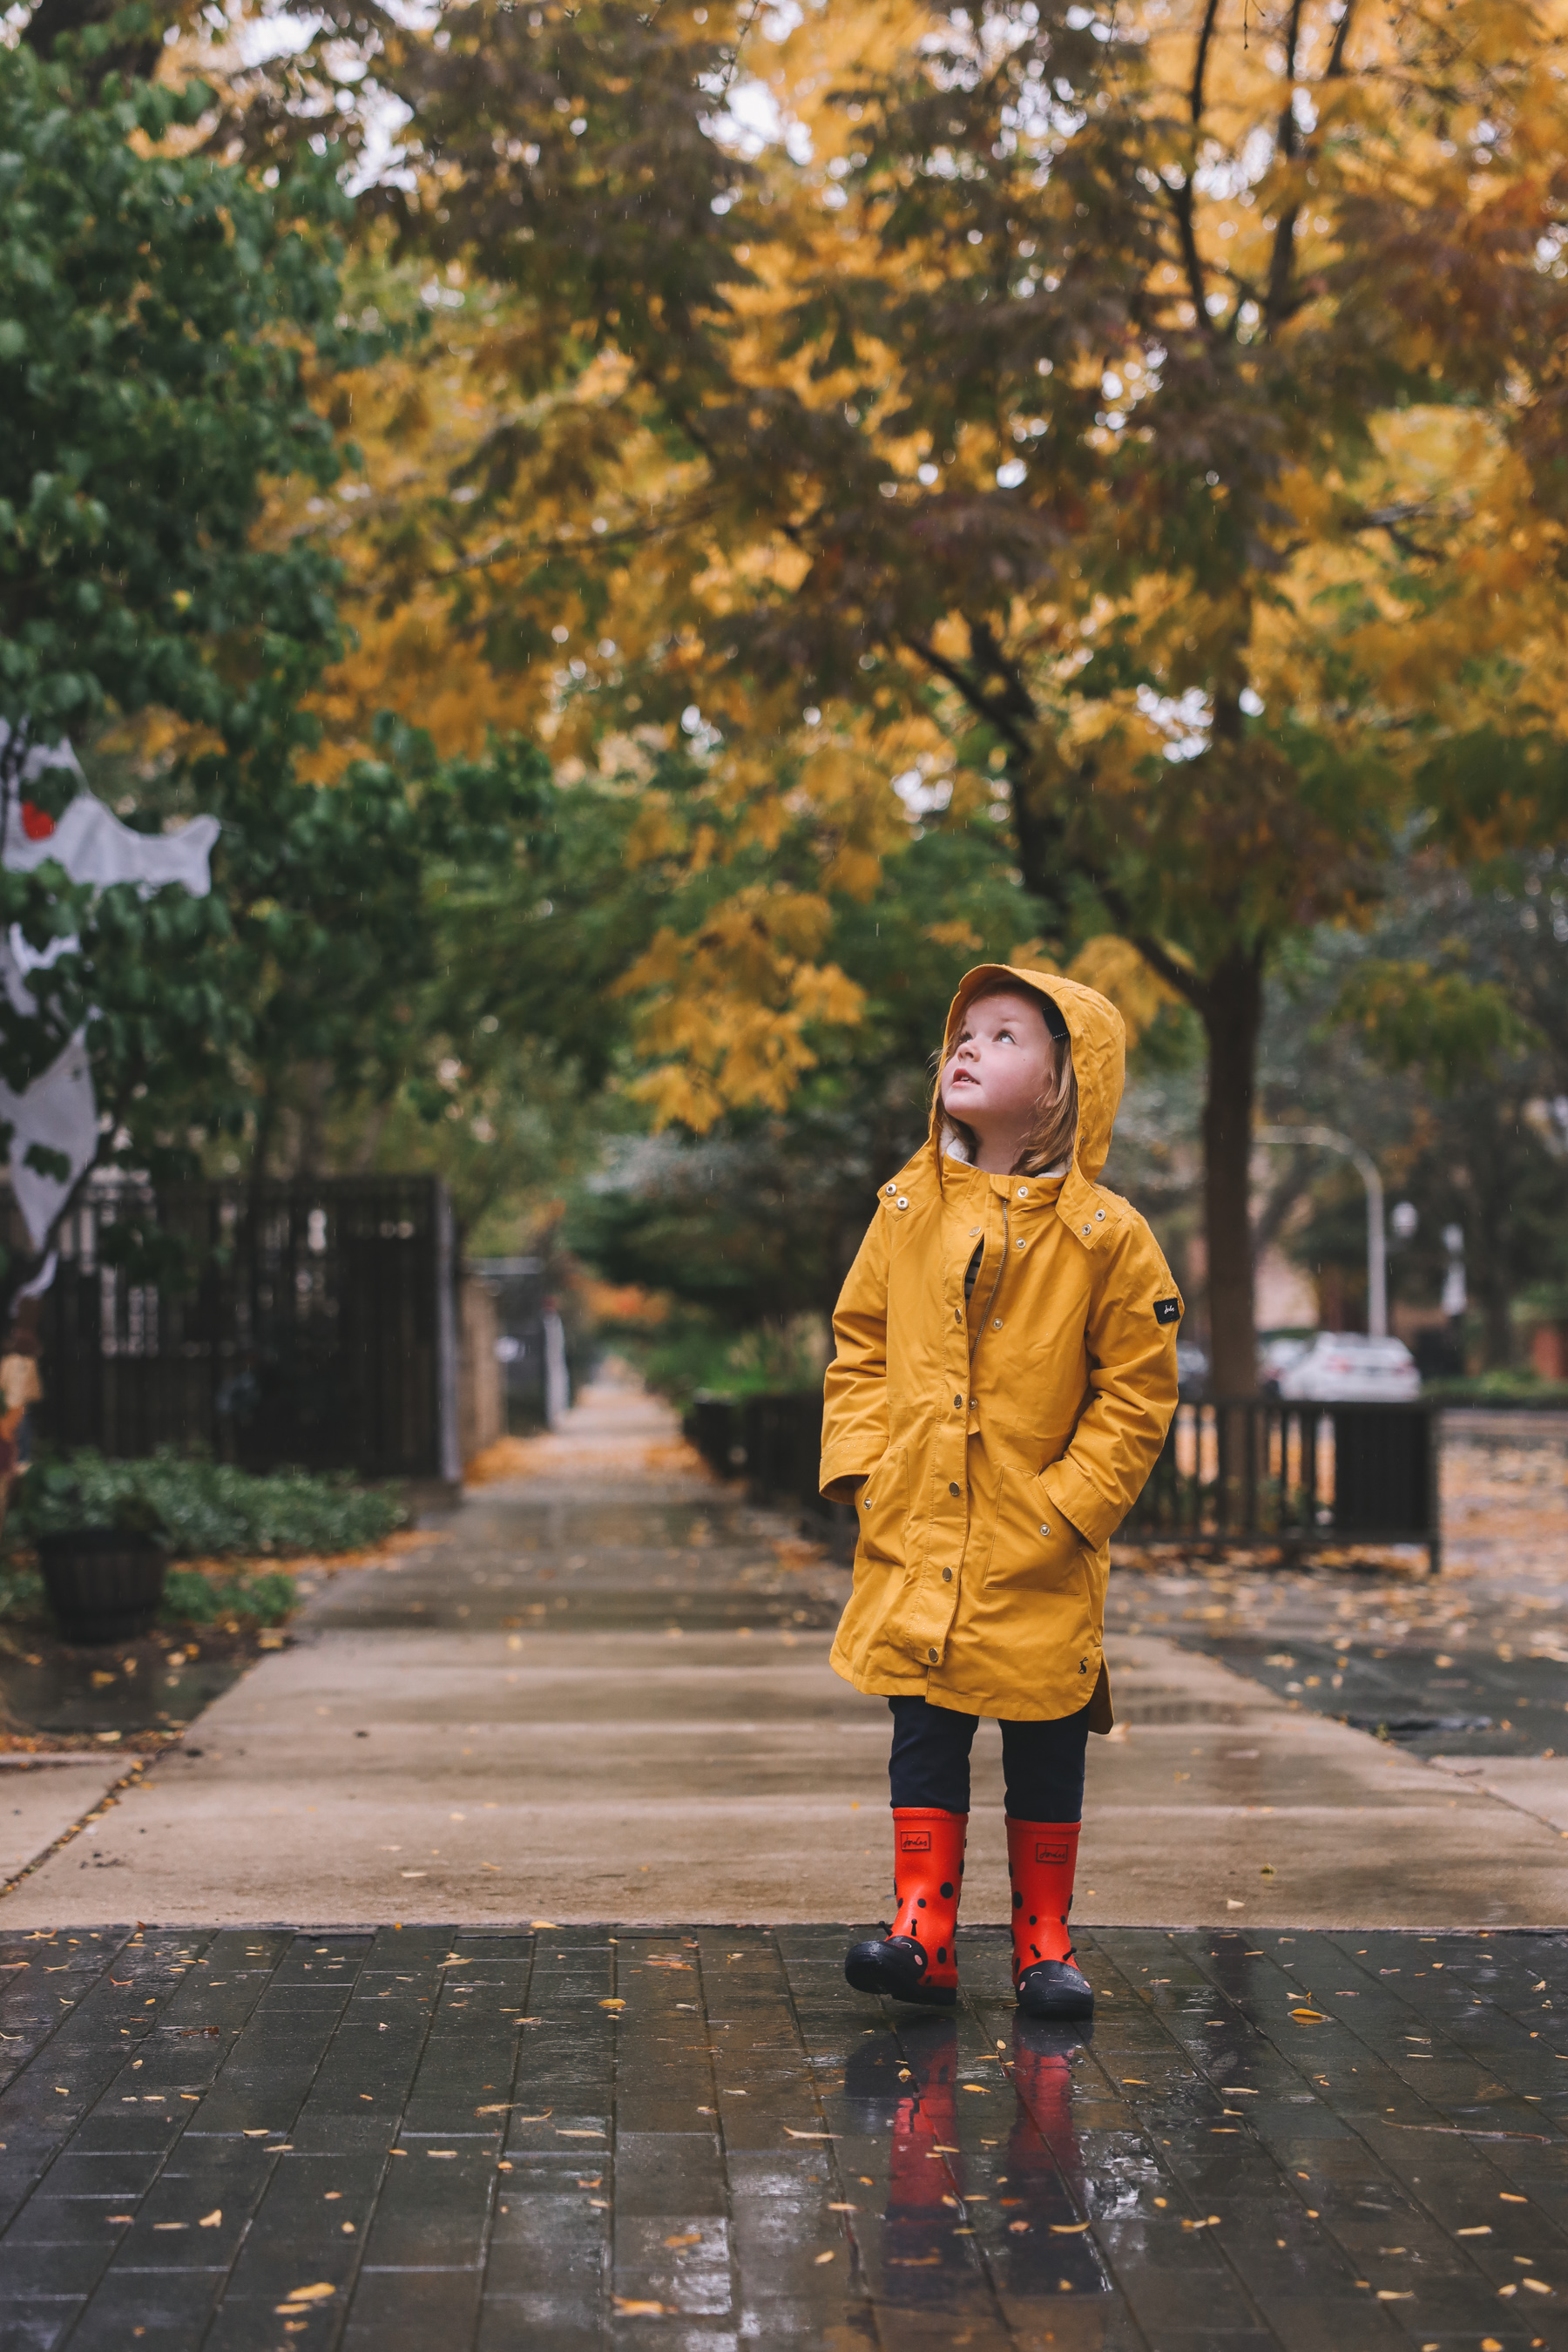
(1116, 969)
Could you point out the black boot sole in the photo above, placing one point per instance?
(875, 1968)
(1056, 1993)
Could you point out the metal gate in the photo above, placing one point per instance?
(307, 1323)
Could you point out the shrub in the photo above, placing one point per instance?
(207, 1511)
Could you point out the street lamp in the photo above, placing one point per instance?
(1328, 1138)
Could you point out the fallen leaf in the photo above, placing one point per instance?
(692, 2237)
(542, 1922)
(570, 2131)
(612, 2004)
(1309, 2016)
(210, 2221)
(828, 2257)
(978, 2088)
(1069, 2228)
(628, 2309)
(791, 2133)
(318, 2293)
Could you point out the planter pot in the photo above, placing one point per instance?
(103, 1585)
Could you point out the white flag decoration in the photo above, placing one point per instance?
(59, 1109)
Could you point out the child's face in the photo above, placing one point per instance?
(996, 1072)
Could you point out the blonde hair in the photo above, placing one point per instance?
(1053, 1132)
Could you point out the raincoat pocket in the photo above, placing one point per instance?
(883, 1505)
(1033, 1550)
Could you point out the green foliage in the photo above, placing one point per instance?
(21, 1591)
(192, 1598)
(691, 1353)
(63, 1497)
(1446, 1024)
(204, 1509)
(156, 312)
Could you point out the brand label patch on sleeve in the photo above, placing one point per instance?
(1167, 1310)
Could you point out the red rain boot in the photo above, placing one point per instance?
(918, 1958)
(1041, 1859)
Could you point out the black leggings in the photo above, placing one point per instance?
(1043, 1761)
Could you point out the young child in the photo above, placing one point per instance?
(1005, 1376)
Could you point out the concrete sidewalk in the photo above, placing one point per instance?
(602, 1692)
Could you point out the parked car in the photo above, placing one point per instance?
(1347, 1367)
(1276, 1351)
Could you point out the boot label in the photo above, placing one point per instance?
(914, 1841)
(1043, 1852)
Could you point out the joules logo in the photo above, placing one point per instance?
(914, 1841)
(1043, 1852)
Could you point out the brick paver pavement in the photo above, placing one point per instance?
(574, 2138)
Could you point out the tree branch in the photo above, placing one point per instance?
(1200, 64)
(997, 710)
(1284, 254)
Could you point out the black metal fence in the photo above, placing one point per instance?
(307, 1323)
(1257, 1473)
(774, 1442)
(1302, 1476)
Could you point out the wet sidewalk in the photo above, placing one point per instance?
(378, 2075)
(580, 2137)
(602, 1691)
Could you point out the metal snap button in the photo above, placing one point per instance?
(947, 1576)
(952, 1486)
(889, 1188)
(1099, 1216)
(1045, 1530)
(958, 1404)
(903, 1202)
(1086, 1228)
(1023, 1192)
(932, 1655)
(996, 1326)
(1017, 1245)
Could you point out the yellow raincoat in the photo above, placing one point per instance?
(1001, 1441)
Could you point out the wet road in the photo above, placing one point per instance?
(574, 2139)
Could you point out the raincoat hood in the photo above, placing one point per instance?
(1099, 1037)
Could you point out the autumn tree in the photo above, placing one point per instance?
(1146, 417)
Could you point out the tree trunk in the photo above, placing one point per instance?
(1232, 1014)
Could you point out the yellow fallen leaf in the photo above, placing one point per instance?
(1067, 2229)
(318, 2293)
(210, 2221)
(570, 2131)
(828, 2257)
(692, 2237)
(1309, 2016)
(612, 2004)
(792, 2133)
(628, 2309)
(978, 2088)
(542, 1922)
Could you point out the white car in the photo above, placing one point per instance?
(1347, 1367)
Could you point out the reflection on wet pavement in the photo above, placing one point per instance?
(1468, 1663)
(142, 1693)
(545, 1561)
(701, 2137)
